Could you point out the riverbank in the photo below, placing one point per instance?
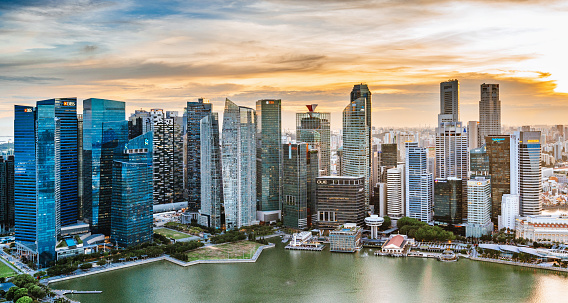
(529, 265)
(112, 267)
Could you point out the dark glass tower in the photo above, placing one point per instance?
(6, 193)
(340, 200)
(313, 128)
(389, 155)
(195, 112)
(448, 200)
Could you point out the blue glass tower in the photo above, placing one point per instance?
(132, 190)
(419, 193)
(104, 129)
(195, 111)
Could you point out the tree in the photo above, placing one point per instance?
(20, 293)
(386, 224)
(101, 262)
(37, 292)
(25, 299)
(11, 292)
(23, 279)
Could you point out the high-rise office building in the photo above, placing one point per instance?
(448, 200)
(45, 180)
(313, 128)
(451, 151)
(167, 128)
(418, 183)
(340, 200)
(362, 91)
(529, 173)
(503, 155)
(195, 111)
(509, 211)
(105, 131)
(356, 161)
(80, 170)
(389, 155)
(269, 159)
(489, 112)
(132, 182)
(140, 123)
(238, 154)
(473, 135)
(449, 101)
(479, 208)
(6, 194)
(396, 200)
(211, 174)
(479, 161)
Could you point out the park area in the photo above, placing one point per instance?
(170, 233)
(5, 271)
(235, 250)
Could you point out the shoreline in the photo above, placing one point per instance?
(162, 258)
(528, 265)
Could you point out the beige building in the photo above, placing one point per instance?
(543, 228)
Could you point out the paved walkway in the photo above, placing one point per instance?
(536, 266)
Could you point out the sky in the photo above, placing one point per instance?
(158, 54)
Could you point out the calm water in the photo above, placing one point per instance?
(298, 276)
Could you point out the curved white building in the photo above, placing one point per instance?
(374, 222)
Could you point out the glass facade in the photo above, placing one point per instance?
(530, 182)
(418, 183)
(479, 161)
(313, 128)
(132, 188)
(211, 176)
(104, 129)
(389, 155)
(340, 200)
(294, 185)
(448, 201)
(195, 112)
(269, 154)
(6, 193)
(356, 161)
(499, 151)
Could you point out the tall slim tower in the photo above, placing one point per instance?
(396, 199)
(479, 208)
(211, 175)
(529, 173)
(449, 100)
(313, 128)
(489, 112)
(418, 183)
(195, 111)
(362, 91)
(269, 158)
(356, 161)
(239, 165)
(6, 193)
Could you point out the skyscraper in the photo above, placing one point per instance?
(211, 175)
(473, 135)
(451, 151)
(80, 170)
(239, 165)
(104, 130)
(418, 183)
(294, 184)
(195, 111)
(479, 208)
(529, 173)
(356, 161)
(449, 101)
(6, 194)
(448, 200)
(479, 161)
(489, 112)
(389, 155)
(269, 159)
(362, 91)
(396, 200)
(340, 200)
(313, 128)
(131, 208)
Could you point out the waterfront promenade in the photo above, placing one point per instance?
(529, 265)
(116, 266)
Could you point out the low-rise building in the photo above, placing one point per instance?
(346, 238)
(543, 228)
(395, 245)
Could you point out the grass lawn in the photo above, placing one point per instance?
(236, 250)
(171, 233)
(5, 271)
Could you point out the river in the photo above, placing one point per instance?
(281, 275)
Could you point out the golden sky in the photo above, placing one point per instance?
(155, 54)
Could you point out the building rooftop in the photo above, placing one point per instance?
(396, 240)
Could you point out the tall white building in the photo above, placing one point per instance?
(473, 135)
(479, 207)
(509, 211)
(418, 185)
(239, 165)
(529, 173)
(452, 157)
(211, 175)
(395, 192)
(489, 112)
(449, 101)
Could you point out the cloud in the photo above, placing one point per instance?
(29, 79)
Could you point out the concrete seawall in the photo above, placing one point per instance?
(161, 258)
(535, 266)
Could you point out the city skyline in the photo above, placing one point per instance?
(154, 55)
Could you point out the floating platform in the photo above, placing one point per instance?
(312, 248)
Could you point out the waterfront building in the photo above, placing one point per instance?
(489, 112)
(530, 182)
(211, 174)
(448, 200)
(473, 134)
(449, 101)
(479, 208)
(195, 111)
(503, 154)
(340, 199)
(132, 182)
(238, 160)
(269, 159)
(543, 228)
(314, 128)
(374, 222)
(167, 128)
(6, 194)
(105, 131)
(509, 211)
(346, 238)
(418, 183)
(356, 161)
(396, 244)
(396, 200)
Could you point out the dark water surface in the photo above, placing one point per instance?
(299, 276)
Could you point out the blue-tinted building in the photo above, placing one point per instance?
(132, 190)
(195, 111)
(211, 175)
(104, 129)
(419, 191)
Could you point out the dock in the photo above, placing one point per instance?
(311, 248)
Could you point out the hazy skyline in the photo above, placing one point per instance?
(154, 54)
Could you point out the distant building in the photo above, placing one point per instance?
(396, 200)
(389, 155)
(314, 128)
(489, 112)
(346, 238)
(473, 134)
(509, 211)
(448, 200)
(479, 161)
(449, 100)
(340, 200)
(6, 194)
(543, 228)
(479, 208)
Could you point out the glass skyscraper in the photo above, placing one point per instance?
(530, 180)
(313, 128)
(239, 165)
(195, 111)
(211, 175)
(269, 158)
(104, 129)
(418, 183)
(448, 200)
(132, 187)
(6, 193)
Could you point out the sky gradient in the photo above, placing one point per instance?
(155, 54)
